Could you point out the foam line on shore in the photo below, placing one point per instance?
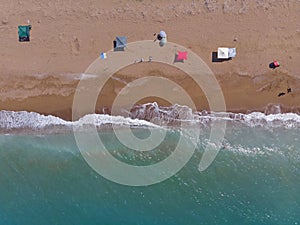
(158, 116)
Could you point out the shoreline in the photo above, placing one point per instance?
(31, 123)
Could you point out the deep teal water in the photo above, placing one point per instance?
(255, 179)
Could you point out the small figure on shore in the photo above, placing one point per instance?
(150, 58)
(158, 37)
(281, 94)
(155, 37)
(289, 90)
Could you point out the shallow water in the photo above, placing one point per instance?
(253, 180)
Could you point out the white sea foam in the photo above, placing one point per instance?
(33, 120)
(23, 119)
(153, 112)
(102, 119)
(141, 115)
(259, 150)
(287, 120)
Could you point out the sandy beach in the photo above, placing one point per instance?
(67, 36)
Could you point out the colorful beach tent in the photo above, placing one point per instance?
(226, 53)
(120, 43)
(181, 56)
(276, 63)
(24, 33)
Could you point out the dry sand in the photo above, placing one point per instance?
(68, 35)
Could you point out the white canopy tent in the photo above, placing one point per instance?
(226, 53)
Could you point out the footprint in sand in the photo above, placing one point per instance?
(75, 46)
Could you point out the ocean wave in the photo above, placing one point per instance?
(102, 119)
(10, 120)
(23, 119)
(258, 150)
(177, 113)
(147, 115)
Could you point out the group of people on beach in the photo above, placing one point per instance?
(273, 65)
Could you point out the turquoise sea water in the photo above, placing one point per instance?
(255, 179)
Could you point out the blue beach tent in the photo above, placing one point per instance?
(24, 33)
(120, 43)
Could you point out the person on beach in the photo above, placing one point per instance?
(158, 37)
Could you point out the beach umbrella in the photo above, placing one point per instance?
(162, 37)
(162, 34)
(181, 55)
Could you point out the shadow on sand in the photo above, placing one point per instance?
(214, 58)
